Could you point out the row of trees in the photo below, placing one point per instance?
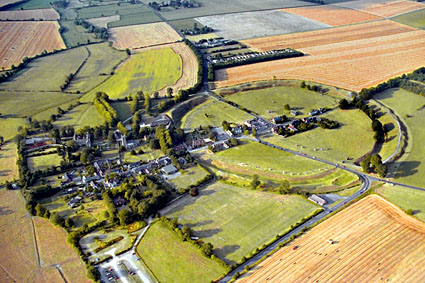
(101, 101)
(101, 33)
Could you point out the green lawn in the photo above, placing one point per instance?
(269, 102)
(415, 19)
(101, 62)
(405, 198)
(75, 35)
(47, 73)
(353, 139)
(216, 111)
(237, 221)
(408, 106)
(81, 116)
(172, 260)
(123, 109)
(43, 162)
(148, 71)
(189, 177)
(148, 154)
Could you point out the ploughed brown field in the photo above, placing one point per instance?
(374, 241)
(140, 36)
(37, 15)
(350, 57)
(390, 9)
(332, 15)
(27, 39)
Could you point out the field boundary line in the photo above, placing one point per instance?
(7, 273)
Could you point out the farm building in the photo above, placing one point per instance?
(169, 169)
(318, 200)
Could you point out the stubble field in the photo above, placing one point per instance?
(350, 57)
(21, 15)
(375, 241)
(390, 9)
(26, 39)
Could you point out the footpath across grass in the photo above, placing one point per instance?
(172, 260)
(236, 220)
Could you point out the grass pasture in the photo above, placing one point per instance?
(414, 19)
(269, 102)
(123, 109)
(81, 116)
(189, 177)
(367, 249)
(43, 162)
(148, 71)
(172, 260)
(212, 112)
(405, 198)
(409, 107)
(352, 139)
(237, 221)
(32, 4)
(75, 35)
(8, 158)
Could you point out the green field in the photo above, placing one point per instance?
(415, 19)
(408, 106)
(123, 109)
(237, 221)
(148, 71)
(217, 112)
(405, 198)
(254, 158)
(172, 260)
(189, 177)
(353, 139)
(32, 4)
(80, 117)
(47, 73)
(75, 35)
(44, 162)
(9, 127)
(185, 24)
(269, 102)
(102, 61)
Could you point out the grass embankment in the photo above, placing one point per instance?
(237, 221)
(148, 71)
(213, 112)
(172, 260)
(352, 139)
(409, 107)
(269, 102)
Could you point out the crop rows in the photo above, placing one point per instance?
(39, 14)
(371, 245)
(391, 9)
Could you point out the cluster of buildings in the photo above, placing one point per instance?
(248, 56)
(215, 42)
(257, 124)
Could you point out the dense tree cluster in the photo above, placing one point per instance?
(101, 33)
(373, 163)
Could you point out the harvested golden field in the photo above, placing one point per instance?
(37, 15)
(350, 57)
(139, 36)
(190, 68)
(332, 15)
(8, 158)
(374, 241)
(390, 9)
(26, 39)
(54, 250)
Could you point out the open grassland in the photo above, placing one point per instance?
(9, 127)
(102, 22)
(352, 139)
(148, 71)
(47, 73)
(375, 241)
(189, 177)
(51, 242)
(333, 15)
(8, 158)
(414, 19)
(269, 102)
(254, 158)
(408, 106)
(139, 36)
(33, 4)
(257, 24)
(405, 198)
(43, 162)
(37, 15)
(101, 61)
(390, 9)
(212, 112)
(172, 260)
(350, 57)
(80, 117)
(216, 7)
(237, 221)
(26, 39)
(75, 35)
(18, 255)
